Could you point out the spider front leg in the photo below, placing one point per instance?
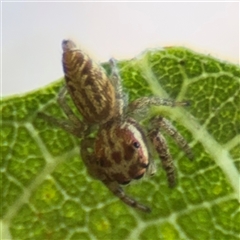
(140, 105)
(161, 145)
(73, 125)
(162, 123)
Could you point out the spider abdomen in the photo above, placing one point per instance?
(91, 90)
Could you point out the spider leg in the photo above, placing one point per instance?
(115, 188)
(164, 124)
(117, 83)
(142, 103)
(73, 125)
(64, 124)
(162, 149)
(67, 110)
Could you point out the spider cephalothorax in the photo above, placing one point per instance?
(121, 149)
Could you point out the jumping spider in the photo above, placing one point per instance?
(121, 149)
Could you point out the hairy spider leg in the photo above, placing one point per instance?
(161, 147)
(67, 110)
(142, 103)
(73, 125)
(117, 83)
(168, 128)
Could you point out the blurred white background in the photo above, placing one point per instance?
(32, 33)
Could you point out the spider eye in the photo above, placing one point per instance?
(136, 144)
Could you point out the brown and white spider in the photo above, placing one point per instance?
(121, 149)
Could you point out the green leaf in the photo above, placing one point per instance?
(47, 193)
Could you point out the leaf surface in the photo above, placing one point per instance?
(47, 193)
